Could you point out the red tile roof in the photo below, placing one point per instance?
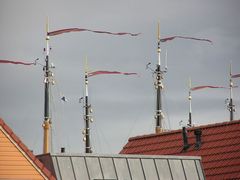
(220, 148)
(27, 152)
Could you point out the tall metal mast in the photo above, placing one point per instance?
(47, 82)
(87, 116)
(190, 104)
(159, 86)
(231, 106)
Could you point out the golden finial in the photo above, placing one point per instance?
(47, 24)
(86, 69)
(190, 83)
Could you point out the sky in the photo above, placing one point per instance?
(123, 106)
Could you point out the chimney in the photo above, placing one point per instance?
(185, 139)
(198, 134)
(62, 149)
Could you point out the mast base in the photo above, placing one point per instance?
(46, 126)
(158, 130)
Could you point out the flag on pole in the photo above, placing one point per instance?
(16, 62)
(94, 73)
(235, 76)
(184, 37)
(203, 87)
(61, 31)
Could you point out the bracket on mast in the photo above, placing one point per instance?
(230, 107)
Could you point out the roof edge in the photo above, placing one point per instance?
(189, 129)
(26, 152)
(120, 156)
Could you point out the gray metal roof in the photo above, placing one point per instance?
(126, 167)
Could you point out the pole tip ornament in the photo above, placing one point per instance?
(86, 69)
(47, 29)
(158, 32)
(47, 24)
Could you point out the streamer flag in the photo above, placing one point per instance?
(235, 76)
(61, 31)
(16, 62)
(109, 72)
(184, 37)
(203, 87)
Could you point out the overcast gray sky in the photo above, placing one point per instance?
(123, 105)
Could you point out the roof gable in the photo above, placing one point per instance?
(16, 160)
(220, 148)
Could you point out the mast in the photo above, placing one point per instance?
(47, 82)
(231, 105)
(87, 116)
(159, 86)
(190, 104)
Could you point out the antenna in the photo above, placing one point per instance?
(48, 80)
(159, 86)
(190, 103)
(87, 116)
(231, 106)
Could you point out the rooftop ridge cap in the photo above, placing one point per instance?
(154, 134)
(204, 126)
(223, 123)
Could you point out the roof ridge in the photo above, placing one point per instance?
(25, 149)
(205, 126)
